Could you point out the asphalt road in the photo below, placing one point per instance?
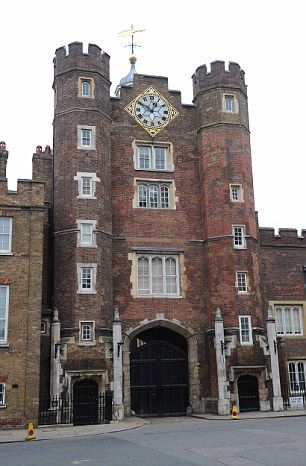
(176, 441)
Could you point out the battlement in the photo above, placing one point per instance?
(95, 60)
(284, 237)
(218, 77)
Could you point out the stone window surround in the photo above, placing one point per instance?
(235, 103)
(243, 237)
(169, 158)
(94, 180)
(8, 252)
(240, 192)
(79, 137)
(246, 280)
(250, 341)
(2, 404)
(173, 199)
(302, 303)
(94, 226)
(92, 290)
(81, 79)
(91, 342)
(4, 342)
(136, 252)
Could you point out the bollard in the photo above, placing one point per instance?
(234, 413)
(30, 434)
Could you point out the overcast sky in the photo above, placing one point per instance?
(266, 37)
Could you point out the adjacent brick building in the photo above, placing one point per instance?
(21, 259)
(156, 280)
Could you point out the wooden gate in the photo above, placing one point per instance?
(159, 380)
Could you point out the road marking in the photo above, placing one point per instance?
(81, 461)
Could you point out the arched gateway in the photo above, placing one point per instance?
(159, 373)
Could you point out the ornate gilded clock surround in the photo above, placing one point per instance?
(160, 119)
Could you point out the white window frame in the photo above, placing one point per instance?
(87, 341)
(152, 149)
(160, 184)
(7, 251)
(80, 227)
(236, 237)
(4, 340)
(249, 329)
(93, 180)
(150, 293)
(283, 324)
(240, 192)
(80, 130)
(81, 81)
(233, 107)
(2, 391)
(93, 278)
(246, 280)
(297, 384)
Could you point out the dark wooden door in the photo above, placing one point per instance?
(85, 402)
(159, 380)
(248, 393)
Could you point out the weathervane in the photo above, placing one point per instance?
(130, 33)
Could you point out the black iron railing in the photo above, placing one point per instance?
(84, 410)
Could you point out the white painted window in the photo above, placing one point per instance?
(86, 137)
(229, 103)
(242, 282)
(86, 331)
(5, 235)
(155, 195)
(288, 320)
(157, 275)
(4, 310)
(86, 278)
(86, 88)
(239, 241)
(86, 184)
(86, 236)
(245, 329)
(152, 157)
(236, 193)
(297, 377)
(2, 394)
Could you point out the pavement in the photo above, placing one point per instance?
(129, 423)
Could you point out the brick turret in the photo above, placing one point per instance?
(225, 162)
(82, 174)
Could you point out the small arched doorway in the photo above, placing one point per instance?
(159, 373)
(85, 402)
(248, 393)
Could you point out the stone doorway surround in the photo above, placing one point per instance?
(73, 376)
(261, 373)
(193, 363)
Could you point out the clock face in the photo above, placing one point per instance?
(152, 111)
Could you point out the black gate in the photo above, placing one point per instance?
(248, 393)
(159, 380)
(65, 409)
(85, 402)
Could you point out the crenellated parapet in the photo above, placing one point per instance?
(284, 237)
(219, 77)
(95, 60)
